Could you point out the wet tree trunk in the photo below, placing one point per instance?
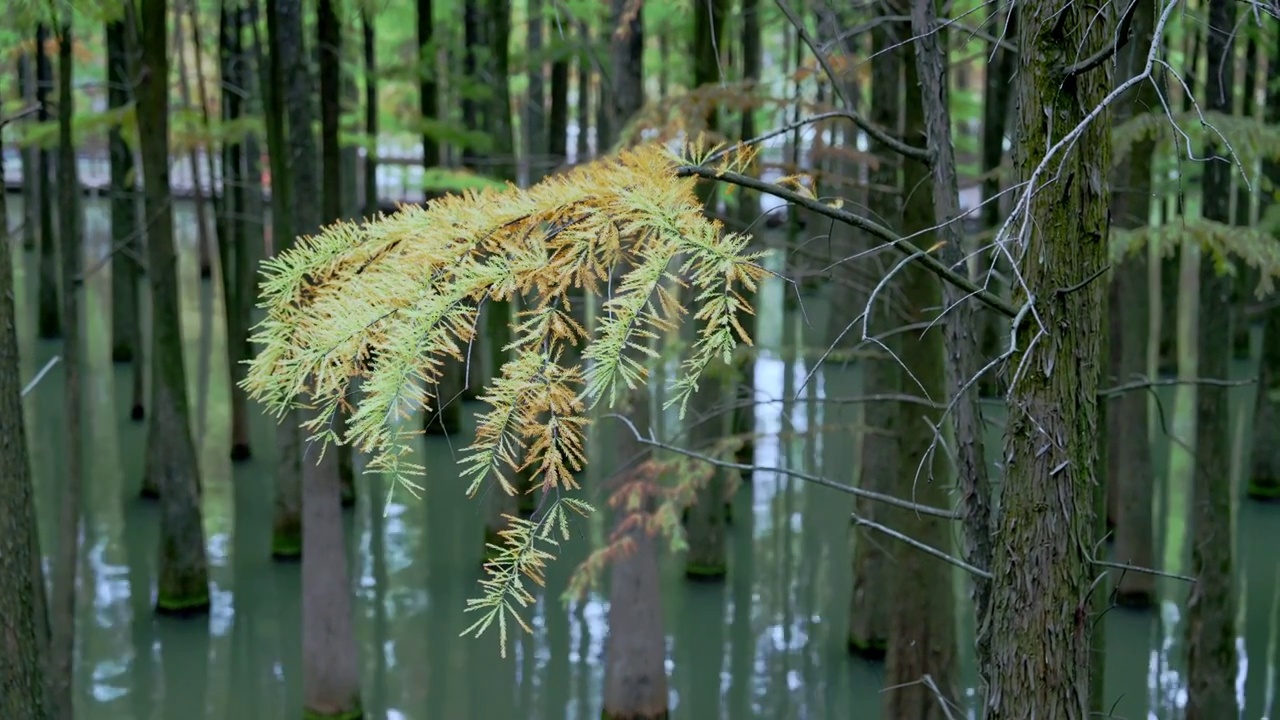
(329, 42)
(1041, 626)
(635, 674)
(126, 330)
(233, 245)
(66, 562)
(877, 450)
(1211, 632)
(1130, 481)
(24, 662)
(171, 463)
(1264, 465)
(128, 57)
(370, 114)
(286, 524)
(48, 318)
(922, 632)
(707, 558)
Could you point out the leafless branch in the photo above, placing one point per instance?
(1148, 571)
(25, 112)
(40, 375)
(1165, 382)
(815, 479)
(877, 230)
(923, 547)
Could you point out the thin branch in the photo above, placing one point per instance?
(855, 491)
(936, 266)
(1123, 34)
(29, 110)
(923, 547)
(40, 375)
(1139, 569)
(867, 126)
(1147, 383)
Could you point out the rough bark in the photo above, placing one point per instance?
(1211, 633)
(286, 524)
(171, 462)
(877, 449)
(635, 675)
(48, 317)
(1041, 628)
(24, 661)
(1264, 465)
(1130, 482)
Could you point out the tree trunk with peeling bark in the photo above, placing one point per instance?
(1041, 624)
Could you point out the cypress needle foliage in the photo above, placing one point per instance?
(391, 299)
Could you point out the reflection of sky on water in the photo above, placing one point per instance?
(777, 627)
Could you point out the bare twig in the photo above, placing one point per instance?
(936, 266)
(24, 112)
(40, 375)
(923, 547)
(1165, 382)
(855, 491)
(1139, 569)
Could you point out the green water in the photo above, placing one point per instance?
(770, 642)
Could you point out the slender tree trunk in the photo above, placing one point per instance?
(1264, 466)
(744, 414)
(30, 158)
(1211, 608)
(171, 462)
(1247, 280)
(635, 675)
(878, 438)
(125, 325)
(204, 243)
(370, 114)
(535, 130)
(583, 121)
(286, 533)
(1041, 626)
(24, 663)
(1130, 473)
(428, 103)
(48, 318)
(558, 119)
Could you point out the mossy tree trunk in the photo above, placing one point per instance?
(48, 317)
(171, 463)
(286, 524)
(1264, 465)
(1211, 608)
(67, 560)
(126, 331)
(877, 443)
(707, 558)
(1041, 628)
(1129, 479)
(24, 662)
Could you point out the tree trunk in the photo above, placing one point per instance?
(370, 114)
(1130, 481)
(1211, 608)
(67, 560)
(428, 103)
(583, 121)
(286, 524)
(877, 445)
(171, 463)
(744, 413)
(1247, 279)
(30, 158)
(48, 318)
(1264, 465)
(125, 327)
(233, 243)
(635, 674)
(1041, 626)
(535, 146)
(24, 662)
(558, 116)
(330, 668)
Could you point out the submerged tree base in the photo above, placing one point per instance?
(241, 452)
(183, 606)
(705, 573)
(137, 413)
(356, 714)
(606, 715)
(868, 648)
(1264, 488)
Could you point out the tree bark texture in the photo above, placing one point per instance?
(23, 655)
(1041, 626)
(171, 462)
(1211, 607)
